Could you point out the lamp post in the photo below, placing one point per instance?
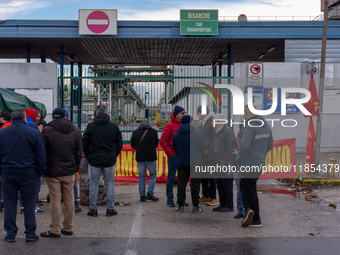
(146, 110)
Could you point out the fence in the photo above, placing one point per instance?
(131, 94)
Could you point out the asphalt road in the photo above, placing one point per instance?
(290, 226)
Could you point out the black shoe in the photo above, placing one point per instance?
(255, 223)
(170, 203)
(180, 209)
(32, 238)
(197, 209)
(92, 213)
(217, 208)
(39, 202)
(66, 233)
(142, 199)
(47, 234)
(239, 215)
(111, 212)
(248, 217)
(151, 197)
(225, 209)
(10, 240)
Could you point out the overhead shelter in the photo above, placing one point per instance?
(155, 42)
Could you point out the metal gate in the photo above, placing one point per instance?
(133, 93)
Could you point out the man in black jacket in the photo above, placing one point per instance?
(221, 151)
(145, 141)
(102, 143)
(23, 160)
(64, 151)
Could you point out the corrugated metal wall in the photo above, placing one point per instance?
(310, 50)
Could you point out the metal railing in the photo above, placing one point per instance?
(272, 18)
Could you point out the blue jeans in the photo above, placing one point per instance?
(142, 165)
(28, 184)
(240, 208)
(75, 190)
(172, 167)
(109, 179)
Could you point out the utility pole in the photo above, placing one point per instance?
(322, 83)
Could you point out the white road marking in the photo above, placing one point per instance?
(135, 232)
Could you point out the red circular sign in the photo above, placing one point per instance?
(255, 69)
(269, 95)
(97, 22)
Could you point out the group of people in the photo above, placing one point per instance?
(54, 150)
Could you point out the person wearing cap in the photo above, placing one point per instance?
(31, 116)
(64, 151)
(207, 130)
(22, 163)
(102, 143)
(167, 145)
(189, 146)
(145, 141)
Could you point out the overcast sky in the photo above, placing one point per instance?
(154, 9)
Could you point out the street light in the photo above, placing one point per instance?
(146, 110)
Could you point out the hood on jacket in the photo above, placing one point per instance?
(62, 125)
(145, 125)
(31, 113)
(102, 119)
(173, 118)
(210, 114)
(185, 129)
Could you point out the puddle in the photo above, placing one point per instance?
(306, 196)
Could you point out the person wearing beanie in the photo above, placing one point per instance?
(31, 116)
(207, 130)
(189, 146)
(64, 152)
(167, 145)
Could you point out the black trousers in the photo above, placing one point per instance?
(209, 188)
(249, 195)
(225, 192)
(183, 177)
(28, 184)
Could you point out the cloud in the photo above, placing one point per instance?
(9, 8)
(264, 8)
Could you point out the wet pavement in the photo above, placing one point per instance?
(290, 226)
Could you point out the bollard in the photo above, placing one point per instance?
(299, 171)
(332, 162)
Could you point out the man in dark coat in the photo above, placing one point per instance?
(102, 143)
(64, 151)
(146, 157)
(23, 160)
(207, 130)
(189, 146)
(221, 151)
(256, 141)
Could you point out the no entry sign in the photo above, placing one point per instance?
(255, 75)
(97, 22)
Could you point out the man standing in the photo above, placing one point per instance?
(102, 143)
(5, 119)
(207, 130)
(221, 152)
(23, 160)
(145, 141)
(64, 151)
(256, 141)
(167, 145)
(189, 146)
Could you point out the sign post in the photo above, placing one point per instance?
(199, 22)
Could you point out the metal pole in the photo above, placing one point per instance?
(229, 93)
(322, 83)
(61, 76)
(28, 54)
(214, 82)
(220, 81)
(43, 59)
(72, 92)
(80, 74)
(110, 99)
